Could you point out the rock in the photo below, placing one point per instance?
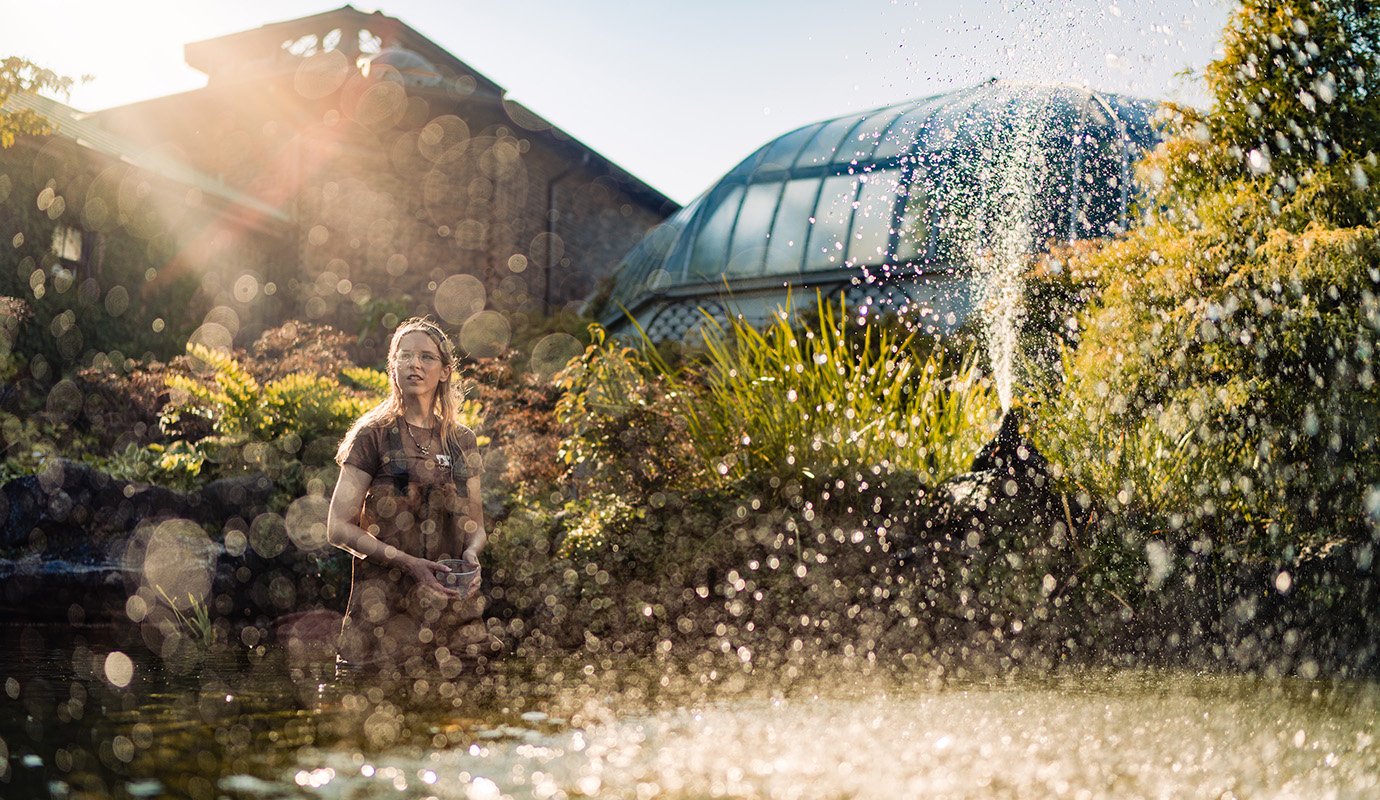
(1011, 455)
(248, 784)
(20, 500)
(996, 546)
(145, 788)
(71, 507)
(64, 533)
(243, 496)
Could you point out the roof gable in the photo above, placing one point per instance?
(281, 46)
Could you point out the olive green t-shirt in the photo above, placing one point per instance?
(371, 444)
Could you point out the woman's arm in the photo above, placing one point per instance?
(343, 531)
(475, 539)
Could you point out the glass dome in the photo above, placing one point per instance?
(890, 206)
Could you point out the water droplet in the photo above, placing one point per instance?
(119, 669)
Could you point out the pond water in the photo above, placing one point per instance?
(238, 725)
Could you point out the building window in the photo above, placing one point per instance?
(67, 244)
(78, 252)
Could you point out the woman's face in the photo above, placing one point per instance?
(418, 366)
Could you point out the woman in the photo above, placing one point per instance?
(408, 497)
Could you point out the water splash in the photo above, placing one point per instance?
(995, 219)
(1004, 245)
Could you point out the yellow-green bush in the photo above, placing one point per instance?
(1225, 379)
(798, 403)
(254, 425)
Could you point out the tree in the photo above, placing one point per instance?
(1225, 382)
(21, 76)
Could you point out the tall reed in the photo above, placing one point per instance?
(830, 398)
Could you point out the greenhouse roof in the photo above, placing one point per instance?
(881, 191)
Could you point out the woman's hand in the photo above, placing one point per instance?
(424, 573)
(473, 590)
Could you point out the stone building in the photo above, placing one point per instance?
(382, 176)
(116, 249)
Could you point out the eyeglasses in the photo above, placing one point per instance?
(426, 359)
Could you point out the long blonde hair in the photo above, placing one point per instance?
(391, 408)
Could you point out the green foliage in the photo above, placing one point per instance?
(276, 408)
(1146, 463)
(230, 401)
(300, 405)
(470, 413)
(598, 522)
(309, 406)
(793, 405)
(177, 465)
(520, 546)
(373, 386)
(369, 380)
(378, 316)
(269, 426)
(626, 431)
(21, 76)
(1225, 377)
(832, 397)
(1297, 82)
(26, 444)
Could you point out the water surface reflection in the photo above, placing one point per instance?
(236, 725)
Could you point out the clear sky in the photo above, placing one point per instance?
(675, 92)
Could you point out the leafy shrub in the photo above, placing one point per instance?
(177, 465)
(518, 423)
(14, 313)
(289, 412)
(123, 403)
(597, 522)
(368, 380)
(27, 442)
(627, 431)
(1225, 381)
(825, 405)
(302, 347)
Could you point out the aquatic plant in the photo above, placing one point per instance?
(194, 620)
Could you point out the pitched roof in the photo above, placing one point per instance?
(262, 48)
(84, 131)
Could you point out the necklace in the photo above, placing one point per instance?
(426, 451)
